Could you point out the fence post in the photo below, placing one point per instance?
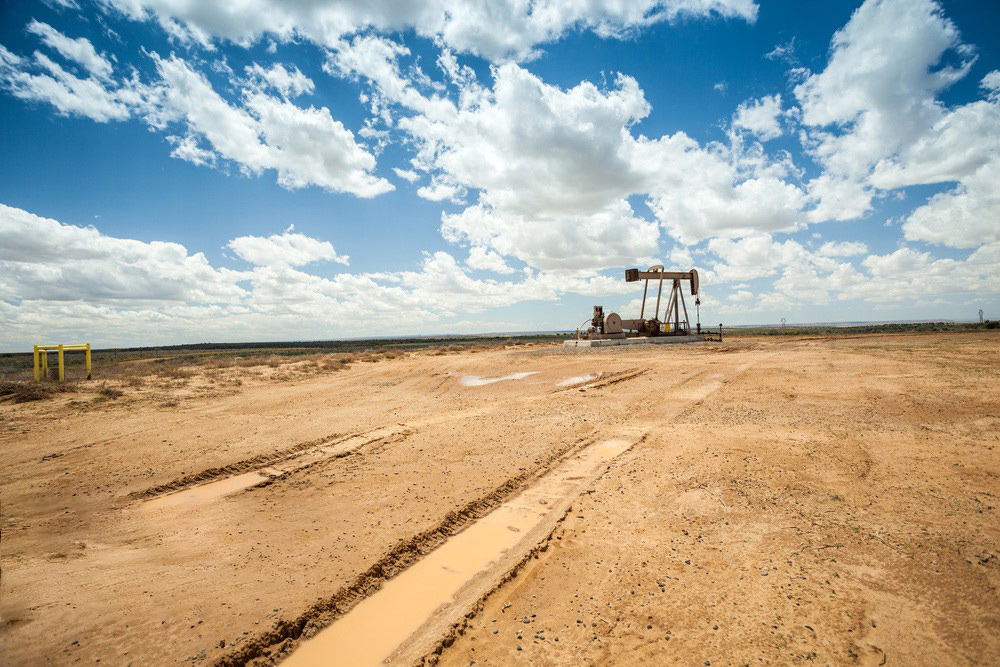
(88, 361)
(61, 367)
(720, 332)
(36, 364)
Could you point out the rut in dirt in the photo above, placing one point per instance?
(270, 646)
(269, 467)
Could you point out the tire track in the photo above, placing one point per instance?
(246, 465)
(272, 645)
(278, 465)
(541, 550)
(616, 378)
(457, 629)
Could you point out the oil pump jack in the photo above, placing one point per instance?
(673, 323)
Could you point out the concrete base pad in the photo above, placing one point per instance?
(639, 340)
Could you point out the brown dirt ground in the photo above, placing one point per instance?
(826, 500)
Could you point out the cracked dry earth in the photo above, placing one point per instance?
(813, 500)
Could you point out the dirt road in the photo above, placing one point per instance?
(827, 500)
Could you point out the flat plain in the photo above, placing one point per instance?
(825, 499)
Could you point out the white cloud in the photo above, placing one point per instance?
(907, 274)
(79, 50)
(699, 193)
(551, 163)
(752, 257)
(58, 278)
(842, 248)
(45, 259)
(609, 238)
(43, 80)
(964, 217)
(784, 52)
(290, 83)
(761, 117)
(493, 29)
(874, 121)
(306, 146)
(532, 148)
(481, 258)
(286, 249)
(60, 5)
(407, 174)
(442, 189)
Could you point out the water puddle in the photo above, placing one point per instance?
(479, 380)
(210, 491)
(373, 630)
(577, 379)
(222, 487)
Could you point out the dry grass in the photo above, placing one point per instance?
(20, 391)
(168, 380)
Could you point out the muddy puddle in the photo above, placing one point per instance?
(479, 380)
(210, 491)
(216, 489)
(372, 631)
(579, 379)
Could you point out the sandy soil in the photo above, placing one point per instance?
(827, 500)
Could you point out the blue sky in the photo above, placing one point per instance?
(180, 172)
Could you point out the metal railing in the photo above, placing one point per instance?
(42, 359)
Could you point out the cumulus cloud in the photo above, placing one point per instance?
(286, 249)
(608, 238)
(481, 258)
(752, 257)
(494, 29)
(701, 192)
(288, 82)
(407, 174)
(41, 79)
(842, 248)
(558, 164)
(761, 117)
(43, 259)
(58, 277)
(548, 174)
(874, 122)
(304, 145)
(79, 50)
(964, 217)
(800, 277)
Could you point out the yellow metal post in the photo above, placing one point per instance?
(88, 361)
(62, 371)
(45, 364)
(36, 364)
